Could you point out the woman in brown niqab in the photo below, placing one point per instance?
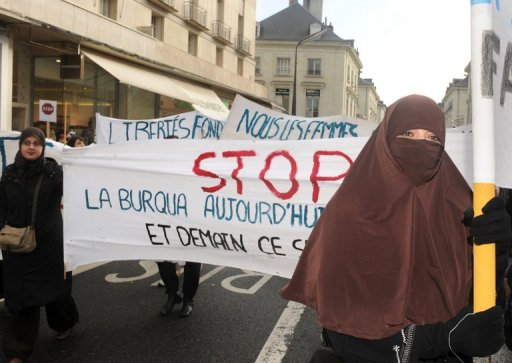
(389, 250)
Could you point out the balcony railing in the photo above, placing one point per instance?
(169, 5)
(242, 44)
(221, 31)
(194, 14)
(149, 30)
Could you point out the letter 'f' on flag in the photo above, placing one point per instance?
(491, 102)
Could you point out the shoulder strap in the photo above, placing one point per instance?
(34, 202)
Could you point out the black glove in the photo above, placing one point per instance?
(466, 335)
(467, 219)
(491, 226)
(476, 334)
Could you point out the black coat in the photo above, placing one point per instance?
(35, 278)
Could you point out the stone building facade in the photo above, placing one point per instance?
(126, 59)
(295, 50)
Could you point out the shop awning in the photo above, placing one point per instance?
(202, 99)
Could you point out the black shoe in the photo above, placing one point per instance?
(63, 334)
(187, 308)
(172, 299)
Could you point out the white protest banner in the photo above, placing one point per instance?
(491, 92)
(9, 146)
(491, 65)
(250, 121)
(190, 125)
(234, 203)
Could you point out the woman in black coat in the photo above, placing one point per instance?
(37, 278)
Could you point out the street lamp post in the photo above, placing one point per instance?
(310, 37)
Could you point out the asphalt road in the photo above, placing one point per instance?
(238, 317)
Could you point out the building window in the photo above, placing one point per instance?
(78, 99)
(312, 102)
(314, 68)
(220, 10)
(258, 66)
(241, 10)
(283, 66)
(219, 57)
(157, 22)
(136, 103)
(192, 44)
(283, 97)
(240, 67)
(108, 8)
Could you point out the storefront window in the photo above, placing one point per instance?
(136, 103)
(171, 106)
(105, 86)
(312, 102)
(77, 99)
(97, 91)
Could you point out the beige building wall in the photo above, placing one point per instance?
(455, 107)
(381, 111)
(295, 42)
(456, 104)
(121, 35)
(351, 85)
(340, 66)
(368, 102)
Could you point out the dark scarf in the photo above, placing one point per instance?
(389, 249)
(28, 168)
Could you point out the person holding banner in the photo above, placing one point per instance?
(388, 266)
(76, 141)
(35, 278)
(191, 275)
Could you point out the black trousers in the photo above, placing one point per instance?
(171, 280)
(23, 325)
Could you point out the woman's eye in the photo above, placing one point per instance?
(407, 133)
(435, 138)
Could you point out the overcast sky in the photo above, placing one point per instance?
(406, 46)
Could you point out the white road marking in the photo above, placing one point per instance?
(149, 267)
(211, 273)
(180, 269)
(226, 283)
(88, 267)
(276, 346)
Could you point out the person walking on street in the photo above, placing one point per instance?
(388, 266)
(191, 275)
(37, 278)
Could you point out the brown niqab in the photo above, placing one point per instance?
(389, 249)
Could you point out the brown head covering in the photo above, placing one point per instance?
(390, 249)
